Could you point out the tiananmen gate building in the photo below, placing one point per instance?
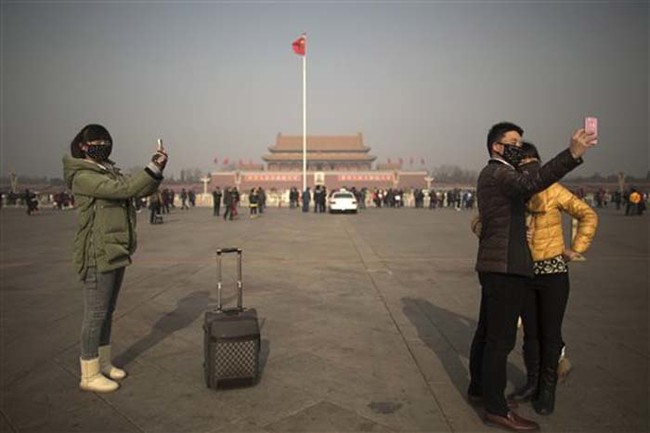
(335, 161)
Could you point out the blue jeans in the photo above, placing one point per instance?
(100, 296)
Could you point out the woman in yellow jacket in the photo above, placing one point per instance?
(544, 312)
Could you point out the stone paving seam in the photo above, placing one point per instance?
(387, 427)
(357, 242)
(634, 350)
(144, 359)
(8, 421)
(414, 359)
(123, 415)
(19, 377)
(144, 276)
(134, 307)
(100, 397)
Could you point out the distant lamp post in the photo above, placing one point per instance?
(428, 180)
(205, 181)
(14, 181)
(395, 178)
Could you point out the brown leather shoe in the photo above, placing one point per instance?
(477, 400)
(511, 421)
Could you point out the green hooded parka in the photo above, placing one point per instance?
(103, 197)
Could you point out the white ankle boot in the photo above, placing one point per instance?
(107, 367)
(92, 379)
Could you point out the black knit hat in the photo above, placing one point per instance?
(88, 133)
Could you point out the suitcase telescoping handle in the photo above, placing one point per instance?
(240, 295)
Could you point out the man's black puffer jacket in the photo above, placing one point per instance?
(502, 192)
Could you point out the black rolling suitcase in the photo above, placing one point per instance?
(231, 337)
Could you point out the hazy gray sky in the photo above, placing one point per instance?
(422, 79)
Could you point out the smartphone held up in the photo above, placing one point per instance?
(160, 157)
(591, 127)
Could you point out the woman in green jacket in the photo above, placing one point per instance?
(105, 240)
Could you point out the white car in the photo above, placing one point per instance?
(343, 201)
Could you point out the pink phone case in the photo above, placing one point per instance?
(591, 126)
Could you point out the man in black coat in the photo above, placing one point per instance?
(227, 203)
(504, 263)
(306, 198)
(216, 201)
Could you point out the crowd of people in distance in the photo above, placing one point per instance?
(229, 200)
(27, 198)
(632, 200)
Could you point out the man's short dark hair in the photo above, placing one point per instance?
(498, 131)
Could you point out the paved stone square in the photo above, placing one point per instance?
(366, 325)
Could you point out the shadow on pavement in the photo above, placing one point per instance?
(188, 309)
(456, 331)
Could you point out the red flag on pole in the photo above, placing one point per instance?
(300, 45)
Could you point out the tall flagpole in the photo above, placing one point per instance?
(304, 121)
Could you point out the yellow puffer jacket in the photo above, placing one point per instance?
(546, 208)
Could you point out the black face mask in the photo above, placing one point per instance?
(99, 152)
(512, 154)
